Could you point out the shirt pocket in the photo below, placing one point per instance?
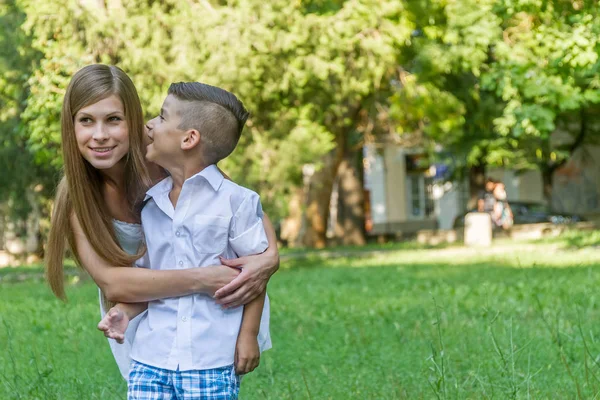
(210, 233)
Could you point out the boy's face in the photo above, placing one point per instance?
(164, 134)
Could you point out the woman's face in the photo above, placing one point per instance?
(102, 133)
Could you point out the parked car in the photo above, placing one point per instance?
(525, 212)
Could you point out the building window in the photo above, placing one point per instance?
(419, 189)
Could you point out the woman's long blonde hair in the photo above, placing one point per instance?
(80, 190)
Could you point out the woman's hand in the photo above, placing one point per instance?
(214, 278)
(114, 324)
(251, 282)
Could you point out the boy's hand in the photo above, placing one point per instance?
(114, 324)
(247, 354)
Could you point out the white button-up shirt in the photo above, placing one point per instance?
(213, 217)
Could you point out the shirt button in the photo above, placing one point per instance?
(184, 319)
(180, 262)
(177, 234)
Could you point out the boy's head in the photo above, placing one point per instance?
(196, 119)
(500, 191)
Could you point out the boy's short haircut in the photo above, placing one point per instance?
(214, 112)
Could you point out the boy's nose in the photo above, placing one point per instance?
(150, 124)
(148, 129)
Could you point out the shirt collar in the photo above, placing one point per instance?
(160, 188)
(212, 175)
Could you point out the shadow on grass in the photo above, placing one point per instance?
(35, 272)
(574, 239)
(302, 252)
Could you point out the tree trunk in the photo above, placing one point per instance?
(318, 198)
(549, 168)
(476, 183)
(547, 180)
(350, 224)
(291, 228)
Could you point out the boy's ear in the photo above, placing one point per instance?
(191, 138)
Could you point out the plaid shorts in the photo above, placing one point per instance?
(151, 383)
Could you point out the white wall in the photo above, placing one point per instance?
(395, 167)
(523, 186)
(449, 205)
(375, 183)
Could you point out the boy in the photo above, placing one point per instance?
(189, 347)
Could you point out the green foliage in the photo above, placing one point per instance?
(492, 81)
(546, 68)
(441, 96)
(305, 70)
(17, 60)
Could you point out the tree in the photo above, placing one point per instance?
(546, 72)
(491, 81)
(311, 79)
(440, 95)
(312, 74)
(16, 63)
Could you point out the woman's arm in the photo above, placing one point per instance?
(256, 272)
(134, 285)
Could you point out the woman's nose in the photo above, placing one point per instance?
(100, 133)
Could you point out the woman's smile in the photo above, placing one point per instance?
(102, 151)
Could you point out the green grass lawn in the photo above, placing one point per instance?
(519, 320)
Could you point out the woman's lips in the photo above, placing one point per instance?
(102, 151)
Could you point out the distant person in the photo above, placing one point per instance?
(487, 201)
(502, 215)
(188, 347)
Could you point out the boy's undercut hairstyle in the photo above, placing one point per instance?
(214, 112)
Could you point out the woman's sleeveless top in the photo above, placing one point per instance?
(130, 237)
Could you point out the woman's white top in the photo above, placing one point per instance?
(130, 237)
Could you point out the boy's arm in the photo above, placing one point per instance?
(256, 270)
(247, 353)
(115, 322)
(247, 236)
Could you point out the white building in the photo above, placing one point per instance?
(406, 194)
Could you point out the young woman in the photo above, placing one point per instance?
(98, 204)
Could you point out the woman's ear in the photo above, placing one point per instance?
(191, 139)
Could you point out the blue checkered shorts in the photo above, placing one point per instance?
(151, 383)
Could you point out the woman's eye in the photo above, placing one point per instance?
(115, 119)
(85, 120)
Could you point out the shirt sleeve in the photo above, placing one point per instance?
(143, 261)
(247, 234)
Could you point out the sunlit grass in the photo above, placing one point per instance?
(519, 320)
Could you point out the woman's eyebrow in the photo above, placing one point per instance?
(84, 114)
